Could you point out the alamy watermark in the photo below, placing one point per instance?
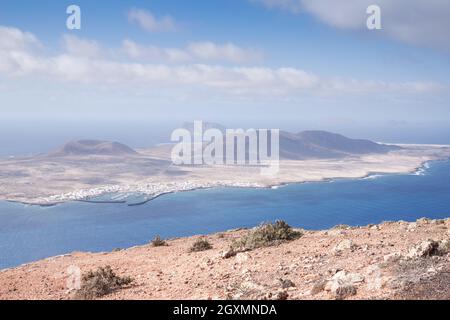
(374, 20)
(253, 147)
(73, 21)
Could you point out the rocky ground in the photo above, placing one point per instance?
(393, 260)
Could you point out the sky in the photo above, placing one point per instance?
(290, 64)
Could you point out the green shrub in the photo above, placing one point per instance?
(200, 244)
(266, 235)
(103, 281)
(158, 242)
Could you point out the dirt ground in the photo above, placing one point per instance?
(387, 261)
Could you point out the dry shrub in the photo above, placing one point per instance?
(158, 242)
(266, 235)
(103, 281)
(201, 244)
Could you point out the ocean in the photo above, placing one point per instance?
(29, 233)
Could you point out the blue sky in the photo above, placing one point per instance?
(287, 63)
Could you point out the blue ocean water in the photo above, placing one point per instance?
(29, 233)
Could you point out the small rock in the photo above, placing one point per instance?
(431, 270)
(427, 248)
(228, 253)
(444, 246)
(343, 284)
(318, 287)
(423, 221)
(335, 232)
(393, 257)
(282, 295)
(242, 257)
(344, 245)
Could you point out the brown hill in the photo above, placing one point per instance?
(93, 147)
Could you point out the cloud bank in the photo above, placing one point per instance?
(416, 22)
(195, 51)
(85, 61)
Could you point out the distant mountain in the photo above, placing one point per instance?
(322, 145)
(315, 144)
(93, 147)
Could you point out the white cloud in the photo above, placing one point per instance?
(147, 21)
(416, 22)
(225, 52)
(251, 81)
(15, 39)
(82, 47)
(154, 53)
(196, 51)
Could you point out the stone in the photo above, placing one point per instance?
(343, 284)
(411, 227)
(228, 253)
(282, 295)
(344, 245)
(242, 257)
(444, 246)
(426, 248)
(423, 221)
(335, 232)
(393, 257)
(318, 287)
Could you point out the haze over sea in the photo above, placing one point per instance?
(29, 233)
(27, 137)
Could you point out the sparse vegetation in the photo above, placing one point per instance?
(201, 244)
(158, 242)
(286, 283)
(101, 282)
(345, 291)
(266, 235)
(444, 246)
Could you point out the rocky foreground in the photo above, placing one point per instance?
(393, 260)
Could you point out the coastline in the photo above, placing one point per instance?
(416, 170)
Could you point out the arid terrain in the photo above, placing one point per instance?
(393, 260)
(49, 179)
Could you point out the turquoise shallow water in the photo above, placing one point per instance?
(29, 233)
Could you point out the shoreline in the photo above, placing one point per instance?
(417, 170)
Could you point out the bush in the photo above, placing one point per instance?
(158, 242)
(200, 244)
(444, 246)
(266, 235)
(101, 282)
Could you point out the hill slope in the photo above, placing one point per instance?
(387, 261)
(93, 147)
(322, 144)
(316, 144)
